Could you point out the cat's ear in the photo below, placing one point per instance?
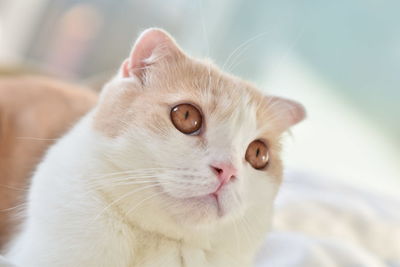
(284, 113)
(152, 45)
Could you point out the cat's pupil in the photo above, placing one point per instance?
(257, 154)
(186, 118)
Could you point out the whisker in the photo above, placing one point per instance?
(125, 177)
(237, 62)
(129, 172)
(124, 182)
(142, 201)
(114, 184)
(236, 235)
(136, 176)
(14, 188)
(291, 46)
(122, 197)
(36, 138)
(242, 222)
(246, 222)
(13, 208)
(244, 44)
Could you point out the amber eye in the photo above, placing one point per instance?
(186, 118)
(257, 154)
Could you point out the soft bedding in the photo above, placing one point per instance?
(321, 223)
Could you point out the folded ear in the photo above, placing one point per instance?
(284, 113)
(152, 45)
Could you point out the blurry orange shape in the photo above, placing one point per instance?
(75, 33)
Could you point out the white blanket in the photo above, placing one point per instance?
(320, 223)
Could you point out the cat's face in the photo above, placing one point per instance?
(196, 145)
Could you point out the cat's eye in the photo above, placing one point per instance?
(186, 118)
(257, 154)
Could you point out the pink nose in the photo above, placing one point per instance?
(224, 171)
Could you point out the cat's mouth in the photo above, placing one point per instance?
(220, 210)
(204, 207)
(217, 202)
(211, 204)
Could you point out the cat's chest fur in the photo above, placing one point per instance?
(69, 241)
(133, 246)
(66, 225)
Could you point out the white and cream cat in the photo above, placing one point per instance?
(177, 165)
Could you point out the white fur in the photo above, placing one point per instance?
(77, 217)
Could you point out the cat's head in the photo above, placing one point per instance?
(188, 142)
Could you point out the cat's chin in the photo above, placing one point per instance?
(203, 210)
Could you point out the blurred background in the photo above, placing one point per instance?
(341, 59)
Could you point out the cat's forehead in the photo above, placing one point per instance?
(223, 99)
(218, 94)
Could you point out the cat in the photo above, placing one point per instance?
(177, 165)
